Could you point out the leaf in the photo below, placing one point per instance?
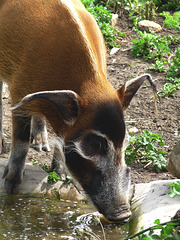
(157, 221)
(175, 189)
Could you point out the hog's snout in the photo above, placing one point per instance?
(120, 215)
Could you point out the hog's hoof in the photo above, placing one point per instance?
(46, 147)
(39, 142)
(40, 147)
(11, 184)
(11, 187)
(39, 135)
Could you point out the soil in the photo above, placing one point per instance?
(123, 66)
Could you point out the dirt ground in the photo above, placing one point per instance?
(122, 66)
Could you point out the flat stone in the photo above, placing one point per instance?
(35, 181)
(149, 26)
(173, 164)
(151, 201)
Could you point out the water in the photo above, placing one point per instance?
(31, 217)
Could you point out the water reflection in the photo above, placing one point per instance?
(30, 217)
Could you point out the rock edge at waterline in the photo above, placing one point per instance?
(150, 201)
(35, 181)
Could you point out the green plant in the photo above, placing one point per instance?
(146, 11)
(174, 69)
(169, 90)
(173, 39)
(34, 163)
(85, 232)
(173, 80)
(113, 5)
(46, 167)
(150, 46)
(116, 4)
(175, 189)
(168, 231)
(158, 66)
(173, 77)
(172, 20)
(53, 177)
(169, 5)
(142, 148)
(103, 17)
(141, 10)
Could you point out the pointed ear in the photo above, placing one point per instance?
(67, 102)
(129, 89)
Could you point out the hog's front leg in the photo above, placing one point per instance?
(39, 136)
(13, 173)
(58, 162)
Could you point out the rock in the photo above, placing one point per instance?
(68, 191)
(114, 19)
(133, 130)
(114, 50)
(173, 164)
(150, 202)
(149, 26)
(35, 181)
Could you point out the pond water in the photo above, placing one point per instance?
(32, 217)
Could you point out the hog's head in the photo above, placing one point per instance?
(95, 154)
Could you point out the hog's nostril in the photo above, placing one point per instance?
(120, 216)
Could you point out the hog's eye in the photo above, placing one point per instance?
(93, 144)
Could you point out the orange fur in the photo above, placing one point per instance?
(44, 46)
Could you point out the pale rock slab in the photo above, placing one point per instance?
(150, 202)
(149, 26)
(35, 181)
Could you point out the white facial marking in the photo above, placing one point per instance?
(102, 162)
(124, 146)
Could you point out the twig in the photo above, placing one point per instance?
(149, 163)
